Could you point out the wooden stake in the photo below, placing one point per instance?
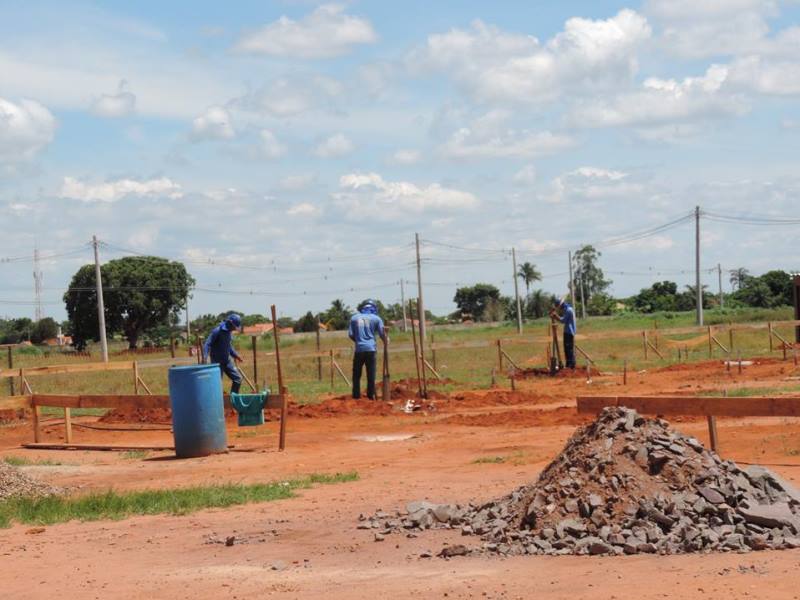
(68, 424)
(769, 328)
(283, 391)
(331, 354)
(644, 343)
(10, 366)
(37, 433)
(387, 391)
(710, 347)
(494, 377)
(712, 432)
(254, 342)
(511, 380)
(625, 372)
(319, 358)
(794, 355)
(740, 362)
(433, 351)
(730, 336)
(172, 346)
(136, 377)
(499, 355)
(416, 356)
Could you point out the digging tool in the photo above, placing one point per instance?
(387, 395)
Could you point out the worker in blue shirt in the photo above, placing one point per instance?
(219, 349)
(567, 317)
(365, 326)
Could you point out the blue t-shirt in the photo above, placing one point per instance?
(568, 319)
(363, 329)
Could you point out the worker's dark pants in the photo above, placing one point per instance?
(569, 349)
(361, 359)
(229, 369)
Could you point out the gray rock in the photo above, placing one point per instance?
(711, 495)
(455, 550)
(770, 515)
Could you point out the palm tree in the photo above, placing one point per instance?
(738, 278)
(528, 273)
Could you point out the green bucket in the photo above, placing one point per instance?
(250, 408)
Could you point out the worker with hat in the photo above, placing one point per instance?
(365, 327)
(219, 349)
(567, 318)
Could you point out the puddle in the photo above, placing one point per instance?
(398, 437)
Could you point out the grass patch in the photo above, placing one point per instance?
(135, 454)
(489, 460)
(21, 461)
(181, 501)
(54, 411)
(752, 391)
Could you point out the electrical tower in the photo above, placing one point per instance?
(37, 284)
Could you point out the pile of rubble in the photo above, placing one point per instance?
(14, 484)
(623, 485)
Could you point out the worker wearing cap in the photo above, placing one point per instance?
(219, 349)
(365, 327)
(567, 317)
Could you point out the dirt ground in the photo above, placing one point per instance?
(309, 547)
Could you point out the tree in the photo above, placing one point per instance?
(337, 316)
(473, 301)
(140, 293)
(539, 303)
(528, 273)
(738, 277)
(661, 296)
(588, 273)
(306, 323)
(14, 331)
(44, 329)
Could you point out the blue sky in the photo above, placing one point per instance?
(299, 146)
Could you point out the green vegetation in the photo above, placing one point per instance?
(23, 461)
(181, 501)
(753, 391)
(489, 460)
(135, 454)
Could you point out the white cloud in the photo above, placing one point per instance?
(593, 183)
(388, 200)
(112, 191)
(144, 237)
(406, 157)
(25, 129)
(121, 104)
(304, 209)
(295, 183)
(214, 124)
(493, 65)
(661, 101)
(525, 176)
(467, 143)
(292, 95)
(335, 146)
(270, 147)
(325, 33)
(763, 76)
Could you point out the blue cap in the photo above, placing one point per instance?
(234, 320)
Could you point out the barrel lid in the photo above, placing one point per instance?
(194, 367)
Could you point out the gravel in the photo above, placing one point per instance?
(623, 484)
(14, 484)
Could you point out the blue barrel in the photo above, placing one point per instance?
(198, 413)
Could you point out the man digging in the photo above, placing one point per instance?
(364, 325)
(567, 318)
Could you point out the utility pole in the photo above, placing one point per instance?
(37, 284)
(698, 290)
(571, 280)
(516, 289)
(188, 326)
(583, 302)
(420, 303)
(403, 302)
(101, 309)
(721, 299)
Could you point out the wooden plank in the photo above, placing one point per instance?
(49, 446)
(15, 402)
(101, 401)
(68, 424)
(753, 406)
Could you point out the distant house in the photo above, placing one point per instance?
(257, 329)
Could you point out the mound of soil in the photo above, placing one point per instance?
(336, 407)
(16, 484)
(626, 485)
(561, 373)
(520, 418)
(495, 398)
(162, 416)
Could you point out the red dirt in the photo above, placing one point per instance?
(308, 547)
(521, 418)
(561, 373)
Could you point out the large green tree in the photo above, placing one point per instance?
(140, 293)
(44, 329)
(589, 273)
(337, 316)
(475, 300)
